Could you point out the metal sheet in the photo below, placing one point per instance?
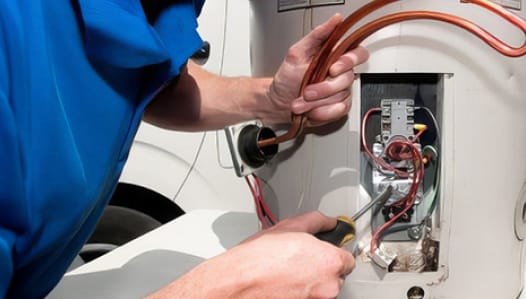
(515, 4)
(284, 5)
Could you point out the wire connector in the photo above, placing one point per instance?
(382, 259)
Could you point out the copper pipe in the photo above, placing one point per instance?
(319, 67)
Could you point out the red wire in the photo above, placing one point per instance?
(263, 203)
(410, 197)
(377, 160)
(264, 214)
(259, 212)
(396, 150)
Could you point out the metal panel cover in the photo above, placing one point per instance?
(515, 4)
(284, 5)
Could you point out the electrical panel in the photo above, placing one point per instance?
(401, 162)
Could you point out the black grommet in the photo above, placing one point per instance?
(248, 147)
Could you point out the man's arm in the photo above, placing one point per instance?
(285, 261)
(200, 100)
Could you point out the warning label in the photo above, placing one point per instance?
(284, 5)
(515, 4)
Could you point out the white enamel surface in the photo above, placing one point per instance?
(484, 130)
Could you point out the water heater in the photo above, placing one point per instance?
(430, 90)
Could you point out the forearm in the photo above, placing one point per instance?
(200, 100)
(217, 278)
(285, 261)
(204, 101)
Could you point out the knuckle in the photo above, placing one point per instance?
(342, 82)
(346, 80)
(294, 54)
(350, 77)
(346, 263)
(316, 214)
(289, 225)
(328, 289)
(334, 288)
(344, 95)
(349, 59)
(339, 259)
(362, 53)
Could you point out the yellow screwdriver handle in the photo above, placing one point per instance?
(341, 234)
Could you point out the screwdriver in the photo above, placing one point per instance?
(345, 228)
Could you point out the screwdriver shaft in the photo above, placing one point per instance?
(381, 199)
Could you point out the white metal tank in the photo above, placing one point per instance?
(471, 246)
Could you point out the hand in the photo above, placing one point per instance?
(285, 261)
(325, 101)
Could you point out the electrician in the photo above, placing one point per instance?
(77, 77)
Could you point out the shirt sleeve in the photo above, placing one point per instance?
(6, 261)
(11, 189)
(120, 34)
(10, 171)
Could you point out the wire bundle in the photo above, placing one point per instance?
(265, 215)
(397, 151)
(407, 202)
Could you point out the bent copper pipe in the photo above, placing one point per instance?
(319, 67)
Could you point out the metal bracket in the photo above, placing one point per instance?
(232, 135)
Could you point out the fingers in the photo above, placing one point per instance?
(347, 263)
(349, 60)
(341, 75)
(300, 105)
(328, 87)
(312, 223)
(330, 100)
(324, 114)
(342, 261)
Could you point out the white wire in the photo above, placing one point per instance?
(221, 66)
(192, 166)
(221, 70)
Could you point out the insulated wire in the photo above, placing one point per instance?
(257, 206)
(266, 210)
(431, 196)
(223, 48)
(433, 193)
(221, 70)
(434, 120)
(198, 152)
(378, 161)
(410, 198)
(192, 166)
(264, 214)
(418, 174)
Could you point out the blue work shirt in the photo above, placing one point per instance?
(75, 77)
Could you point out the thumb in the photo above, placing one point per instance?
(312, 41)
